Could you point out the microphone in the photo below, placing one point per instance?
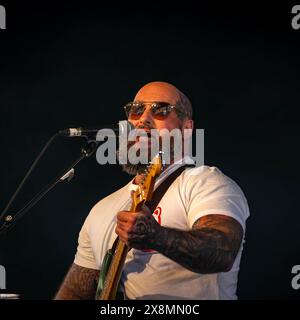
(124, 127)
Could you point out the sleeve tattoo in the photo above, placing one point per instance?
(211, 246)
(79, 284)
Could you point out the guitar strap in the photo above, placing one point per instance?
(159, 192)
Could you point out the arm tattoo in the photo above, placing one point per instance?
(211, 246)
(79, 284)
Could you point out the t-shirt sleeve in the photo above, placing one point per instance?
(215, 194)
(84, 256)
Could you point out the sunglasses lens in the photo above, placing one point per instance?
(161, 110)
(134, 111)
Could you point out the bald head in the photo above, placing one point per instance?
(166, 92)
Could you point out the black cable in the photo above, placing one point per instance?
(27, 175)
(85, 152)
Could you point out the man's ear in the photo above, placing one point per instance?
(188, 124)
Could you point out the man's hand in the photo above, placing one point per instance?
(137, 229)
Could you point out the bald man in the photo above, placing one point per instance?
(190, 246)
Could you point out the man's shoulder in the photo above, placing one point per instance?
(119, 195)
(206, 176)
(209, 190)
(204, 173)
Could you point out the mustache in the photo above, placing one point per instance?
(144, 127)
(140, 131)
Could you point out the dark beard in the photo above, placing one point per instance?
(135, 169)
(138, 168)
(132, 169)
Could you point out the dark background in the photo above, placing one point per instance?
(64, 65)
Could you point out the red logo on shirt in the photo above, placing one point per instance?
(157, 214)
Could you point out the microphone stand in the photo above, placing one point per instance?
(67, 174)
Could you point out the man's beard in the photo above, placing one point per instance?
(145, 157)
(134, 168)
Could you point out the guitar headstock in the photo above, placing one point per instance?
(145, 187)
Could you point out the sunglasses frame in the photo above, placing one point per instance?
(154, 104)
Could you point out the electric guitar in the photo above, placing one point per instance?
(114, 260)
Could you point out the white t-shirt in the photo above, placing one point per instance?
(148, 274)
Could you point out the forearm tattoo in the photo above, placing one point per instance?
(211, 246)
(79, 284)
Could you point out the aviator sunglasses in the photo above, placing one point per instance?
(159, 110)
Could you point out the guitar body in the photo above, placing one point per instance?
(103, 274)
(104, 270)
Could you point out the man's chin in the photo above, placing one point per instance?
(138, 156)
(134, 169)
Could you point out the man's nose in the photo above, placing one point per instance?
(146, 117)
